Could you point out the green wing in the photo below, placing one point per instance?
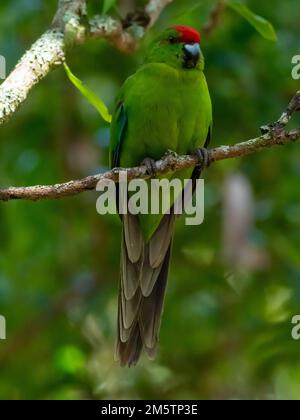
(118, 132)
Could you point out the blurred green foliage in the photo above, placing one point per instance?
(226, 330)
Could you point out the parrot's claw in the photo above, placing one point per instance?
(150, 165)
(204, 157)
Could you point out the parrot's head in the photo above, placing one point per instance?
(179, 47)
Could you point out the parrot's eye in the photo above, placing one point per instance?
(172, 39)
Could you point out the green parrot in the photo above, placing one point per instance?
(164, 106)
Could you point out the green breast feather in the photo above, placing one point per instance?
(160, 108)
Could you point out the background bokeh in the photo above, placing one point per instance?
(235, 281)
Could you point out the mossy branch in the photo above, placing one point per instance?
(70, 27)
(272, 135)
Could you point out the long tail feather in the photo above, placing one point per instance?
(144, 274)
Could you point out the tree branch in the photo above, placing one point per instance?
(70, 26)
(272, 135)
(215, 17)
(154, 9)
(46, 53)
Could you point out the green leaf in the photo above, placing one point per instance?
(262, 25)
(107, 5)
(70, 359)
(89, 95)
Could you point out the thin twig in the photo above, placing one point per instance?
(154, 9)
(215, 18)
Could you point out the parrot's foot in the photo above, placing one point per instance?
(150, 165)
(204, 158)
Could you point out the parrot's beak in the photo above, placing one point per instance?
(192, 54)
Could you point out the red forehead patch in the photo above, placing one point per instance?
(188, 34)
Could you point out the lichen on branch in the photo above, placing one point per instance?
(272, 135)
(70, 26)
